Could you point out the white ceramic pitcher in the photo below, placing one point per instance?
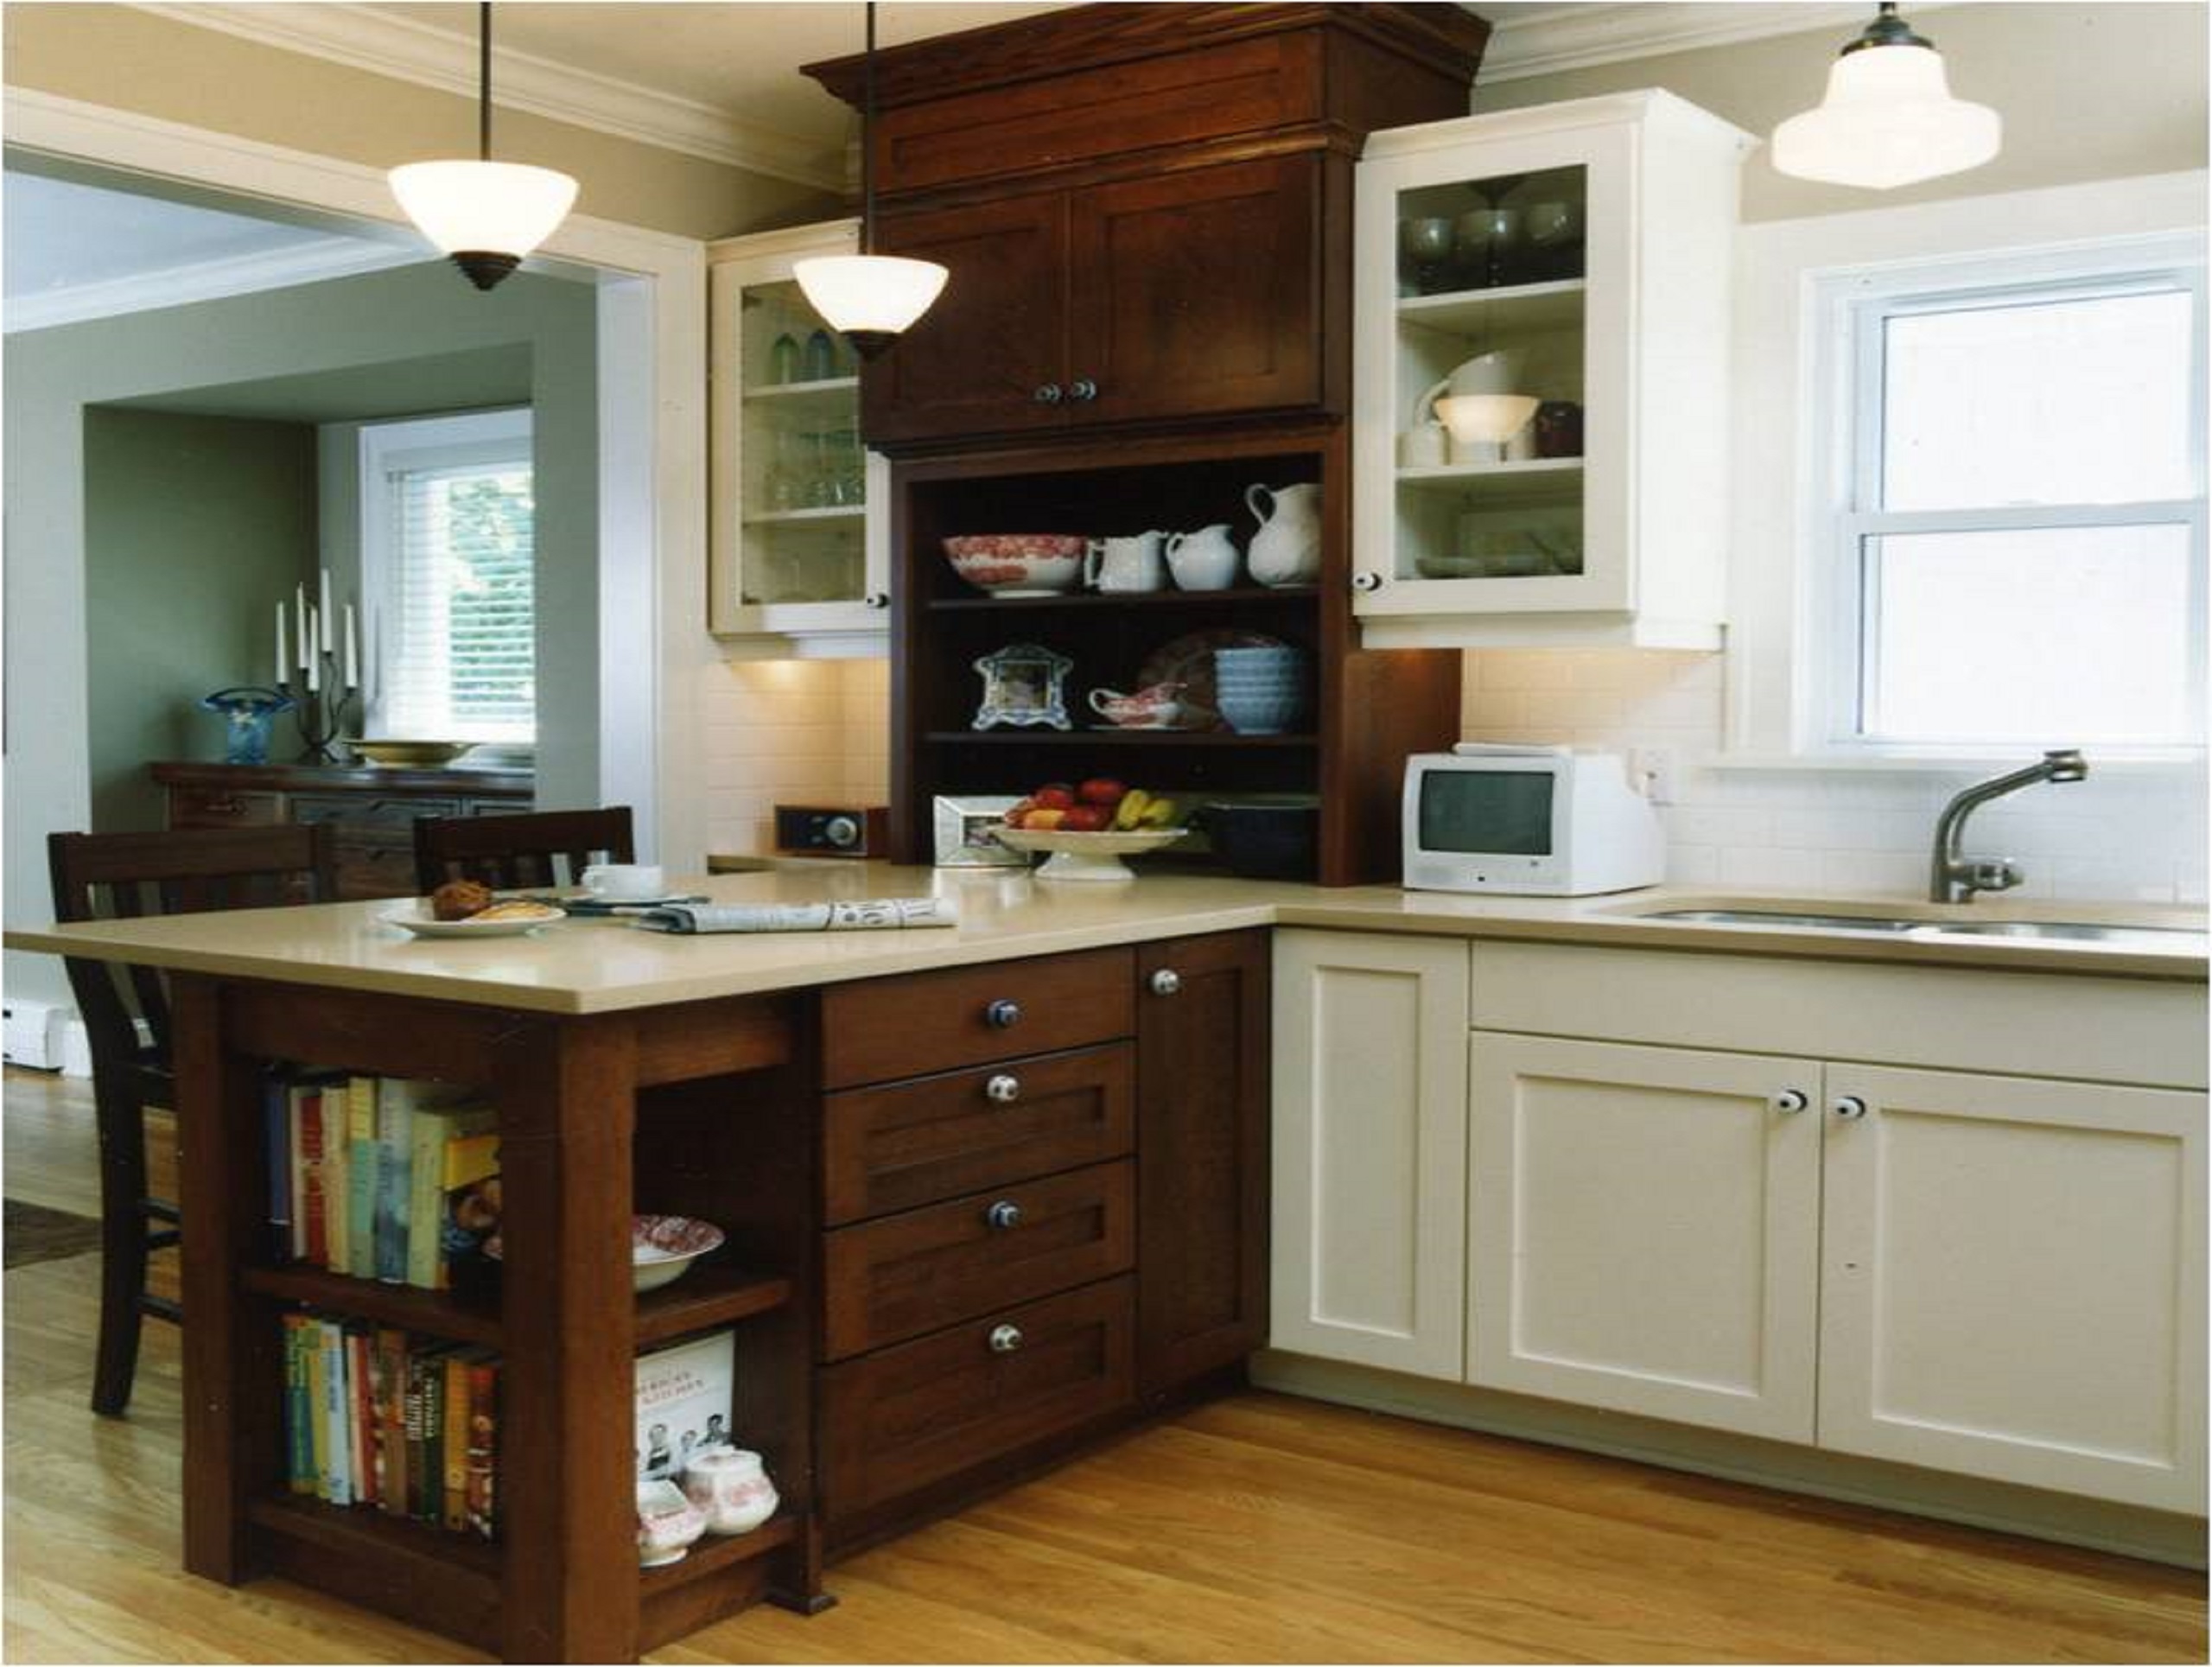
(1132, 563)
(1286, 550)
(1204, 560)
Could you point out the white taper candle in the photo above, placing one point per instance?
(325, 615)
(300, 624)
(314, 660)
(282, 675)
(353, 652)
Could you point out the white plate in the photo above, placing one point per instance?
(424, 927)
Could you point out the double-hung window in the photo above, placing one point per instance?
(2015, 550)
(447, 566)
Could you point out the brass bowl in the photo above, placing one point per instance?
(413, 754)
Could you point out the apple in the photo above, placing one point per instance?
(1045, 817)
(1086, 818)
(1102, 790)
(1055, 796)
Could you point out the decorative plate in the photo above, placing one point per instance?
(1189, 661)
(512, 922)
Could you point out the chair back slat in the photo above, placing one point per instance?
(542, 850)
(127, 877)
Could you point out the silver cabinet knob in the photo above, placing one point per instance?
(1850, 1108)
(1366, 583)
(876, 599)
(1004, 1089)
(1050, 394)
(1167, 981)
(1789, 1100)
(1003, 1214)
(1005, 1340)
(1083, 388)
(1002, 1014)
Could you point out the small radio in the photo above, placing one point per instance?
(816, 830)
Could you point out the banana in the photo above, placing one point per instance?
(1162, 812)
(1130, 812)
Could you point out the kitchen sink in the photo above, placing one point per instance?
(2179, 940)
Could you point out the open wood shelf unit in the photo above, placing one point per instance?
(697, 1109)
(1241, 595)
(1144, 740)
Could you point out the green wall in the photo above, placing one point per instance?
(193, 526)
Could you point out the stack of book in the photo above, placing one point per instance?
(374, 1416)
(381, 1177)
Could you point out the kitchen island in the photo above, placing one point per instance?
(794, 1088)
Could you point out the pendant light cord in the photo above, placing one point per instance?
(868, 136)
(484, 81)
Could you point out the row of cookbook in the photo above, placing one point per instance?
(381, 1177)
(376, 1417)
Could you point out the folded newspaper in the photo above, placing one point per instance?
(872, 912)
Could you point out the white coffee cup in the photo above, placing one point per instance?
(625, 882)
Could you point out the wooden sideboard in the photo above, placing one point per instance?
(373, 810)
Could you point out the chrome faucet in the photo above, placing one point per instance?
(1954, 879)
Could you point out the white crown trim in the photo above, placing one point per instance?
(206, 280)
(409, 51)
(1592, 32)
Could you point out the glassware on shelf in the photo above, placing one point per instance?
(782, 488)
(849, 465)
(821, 474)
(1424, 254)
(821, 357)
(1486, 247)
(784, 360)
(1553, 230)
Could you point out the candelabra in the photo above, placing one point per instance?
(319, 709)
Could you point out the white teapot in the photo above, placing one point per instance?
(1286, 550)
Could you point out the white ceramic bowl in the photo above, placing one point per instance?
(662, 1248)
(1087, 855)
(1261, 714)
(1019, 563)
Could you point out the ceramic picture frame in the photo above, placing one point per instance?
(1025, 687)
(966, 836)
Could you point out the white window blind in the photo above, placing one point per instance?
(447, 560)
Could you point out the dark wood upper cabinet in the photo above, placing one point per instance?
(1146, 209)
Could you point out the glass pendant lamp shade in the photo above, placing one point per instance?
(1486, 418)
(485, 215)
(869, 299)
(1888, 118)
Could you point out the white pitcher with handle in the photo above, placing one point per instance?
(1286, 550)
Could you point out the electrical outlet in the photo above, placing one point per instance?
(1652, 770)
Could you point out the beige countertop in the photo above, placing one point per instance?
(598, 965)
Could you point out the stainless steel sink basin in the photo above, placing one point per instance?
(2179, 939)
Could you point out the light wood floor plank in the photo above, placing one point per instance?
(1259, 1529)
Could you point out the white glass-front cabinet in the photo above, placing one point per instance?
(799, 568)
(1576, 254)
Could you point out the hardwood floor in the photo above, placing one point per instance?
(1258, 1529)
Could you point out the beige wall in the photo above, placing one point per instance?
(2087, 91)
(129, 60)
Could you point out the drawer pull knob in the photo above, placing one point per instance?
(1083, 388)
(1004, 1214)
(1003, 1089)
(1367, 583)
(1850, 1108)
(876, 599)
(1050, 393)
(1790, 1100)
(1005, 1340)
(1167, 981)
(1002, 1014)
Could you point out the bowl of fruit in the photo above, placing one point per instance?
(1086, 830)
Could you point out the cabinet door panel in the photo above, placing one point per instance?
(1644, 1230)
(2014, 1282)
(1371, 1064)
(1200, 292)
(974, 362)
(1202, 1146)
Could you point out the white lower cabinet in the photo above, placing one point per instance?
(1370, 1141)
(1644, 1230)
(2014, 1281)
(1996, 1276)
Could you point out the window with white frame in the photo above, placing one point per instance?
(2015, 549)
(448, 571)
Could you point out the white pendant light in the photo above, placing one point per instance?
(487, 215)
(1888, 118)
(869, 299)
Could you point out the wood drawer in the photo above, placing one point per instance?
(219, 807)
(887, 1280)
(367, 820)
(913, 1143)
(884, 1028)
(904, 1417)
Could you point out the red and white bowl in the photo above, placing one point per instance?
(1019, 563)
(663, 1247)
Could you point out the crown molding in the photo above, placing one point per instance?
(1592, 32)
(384, 45)
(206, 280)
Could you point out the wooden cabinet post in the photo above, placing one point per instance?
(1203, 1114)
(567, 1111)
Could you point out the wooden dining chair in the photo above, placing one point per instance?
(126, 1016)
(520, 853)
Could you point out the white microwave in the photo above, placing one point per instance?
(1534, 821)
